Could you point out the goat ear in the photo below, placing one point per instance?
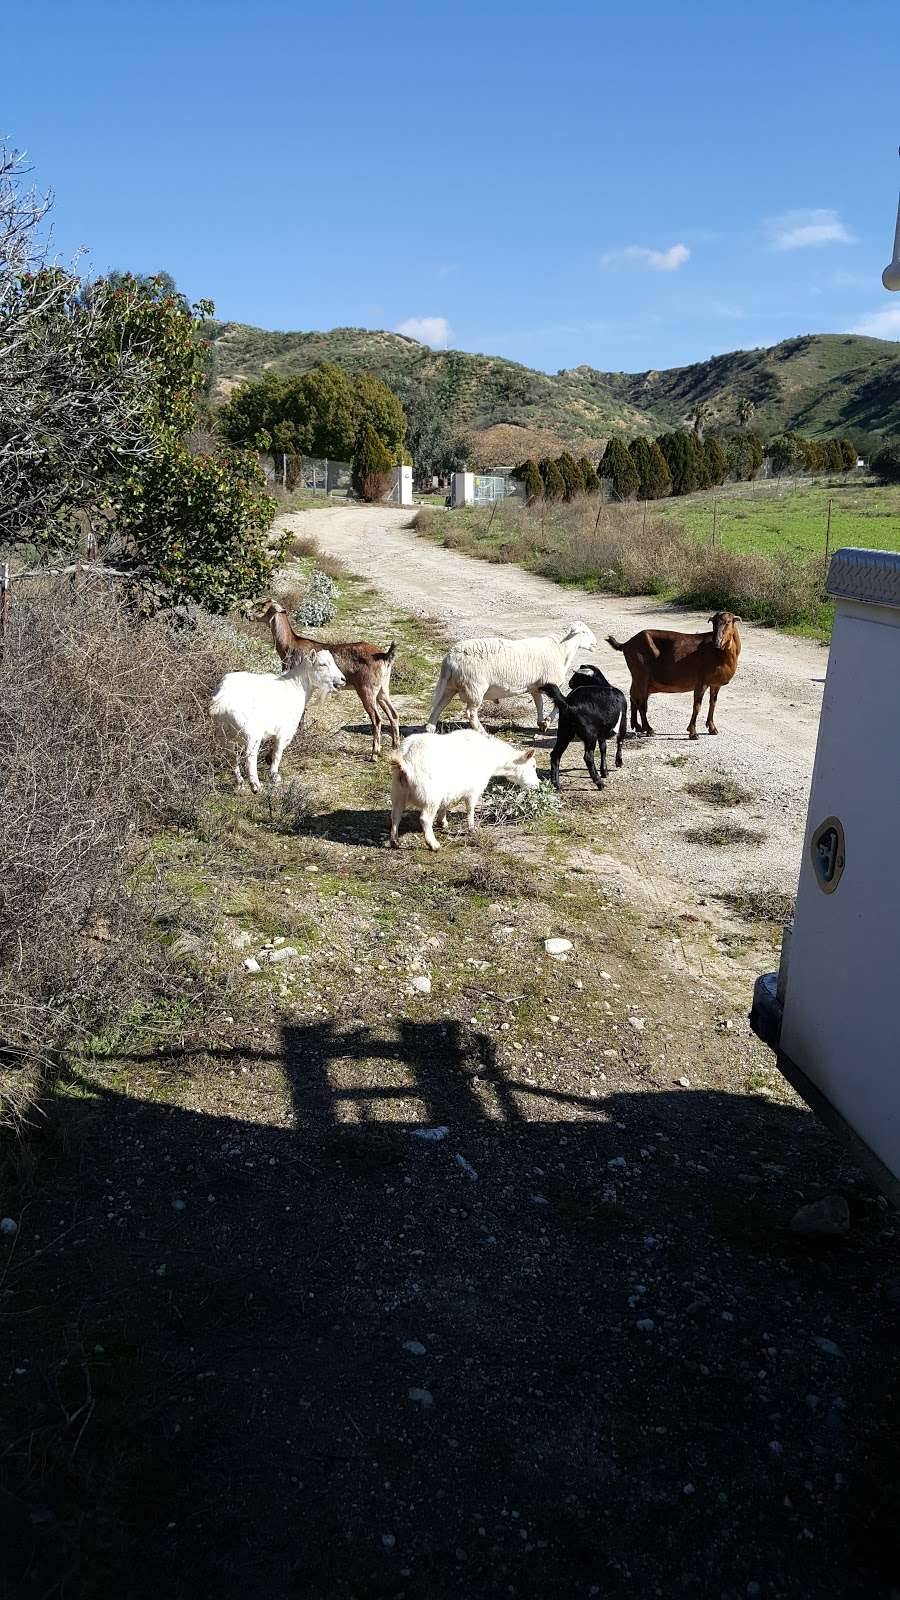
(527, 755)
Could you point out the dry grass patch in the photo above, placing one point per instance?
(724, 833)
(720, 792)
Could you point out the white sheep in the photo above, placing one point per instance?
(256, 706)
(432, 773)
(492, 669)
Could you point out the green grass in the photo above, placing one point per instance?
(790, 520)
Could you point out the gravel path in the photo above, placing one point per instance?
(768, 716)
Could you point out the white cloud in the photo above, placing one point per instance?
(659, 260)
(435, 331)
(800, 230)
(880, 324)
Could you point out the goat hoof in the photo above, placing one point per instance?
(693, 734)
(712, 730)
(393, 844)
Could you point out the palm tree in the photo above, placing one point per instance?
(745, 410)
(700, 416)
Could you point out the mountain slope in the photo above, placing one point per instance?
(820, 384)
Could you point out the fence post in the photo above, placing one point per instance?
(284, 469)
(715, 521)
(326, 477)
(828, 534)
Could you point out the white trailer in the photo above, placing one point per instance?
(832, 1012)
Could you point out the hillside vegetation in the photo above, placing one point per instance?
(819, 384)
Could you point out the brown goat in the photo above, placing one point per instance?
(366, 669)
(664, 662)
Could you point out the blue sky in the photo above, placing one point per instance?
(625, 186)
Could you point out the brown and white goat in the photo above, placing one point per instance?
(366, 668)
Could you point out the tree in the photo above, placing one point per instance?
(377, 406)
(571, 475)
(589, 476)
(554, 486)
(886, 462)
(757, 453)
(744, 410)
(784, 454)
(684, 460)
(660, 476)
(437, 445)
(98, 388)
(699, 416)
(848, 450)
(372, 466)
(72, 407)
(716, 467)
(530, 475)
(321, 413)
(834, 456)
(196, 525)
(618, 469)
(639, 450)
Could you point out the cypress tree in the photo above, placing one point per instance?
(554, 487)
(715, 461)
(660, 476)
(639, 450)
(372, 465)
(848, 450)
(589, 476)
(683, 460)
(530, 474)
(571, 476)
(618, 467)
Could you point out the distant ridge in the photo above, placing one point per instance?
(820, 384)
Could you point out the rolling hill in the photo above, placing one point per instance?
(820, 384)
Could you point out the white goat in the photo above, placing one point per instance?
(255, 706)
(492, 669)
(431, 774)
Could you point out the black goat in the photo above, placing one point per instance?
(591, 712)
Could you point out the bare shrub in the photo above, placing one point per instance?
(104, 734)
(625, 551)
(291, 804)
(506, 803)
(501, 877)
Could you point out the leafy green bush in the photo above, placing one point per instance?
(193, 528)
(372, 466)
(618, 469)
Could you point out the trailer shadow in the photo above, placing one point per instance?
(565, 1346)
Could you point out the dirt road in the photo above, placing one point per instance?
(768, 716)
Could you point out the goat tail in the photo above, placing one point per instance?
(388, 654)
(554, 693)
(396, 761)
(614, 642)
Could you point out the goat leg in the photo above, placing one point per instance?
(710, 723)
(698, 701)
(592, 767)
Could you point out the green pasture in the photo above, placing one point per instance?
(790, 520)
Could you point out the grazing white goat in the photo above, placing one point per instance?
(492, 669)
(255, 706)
(432, 773)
